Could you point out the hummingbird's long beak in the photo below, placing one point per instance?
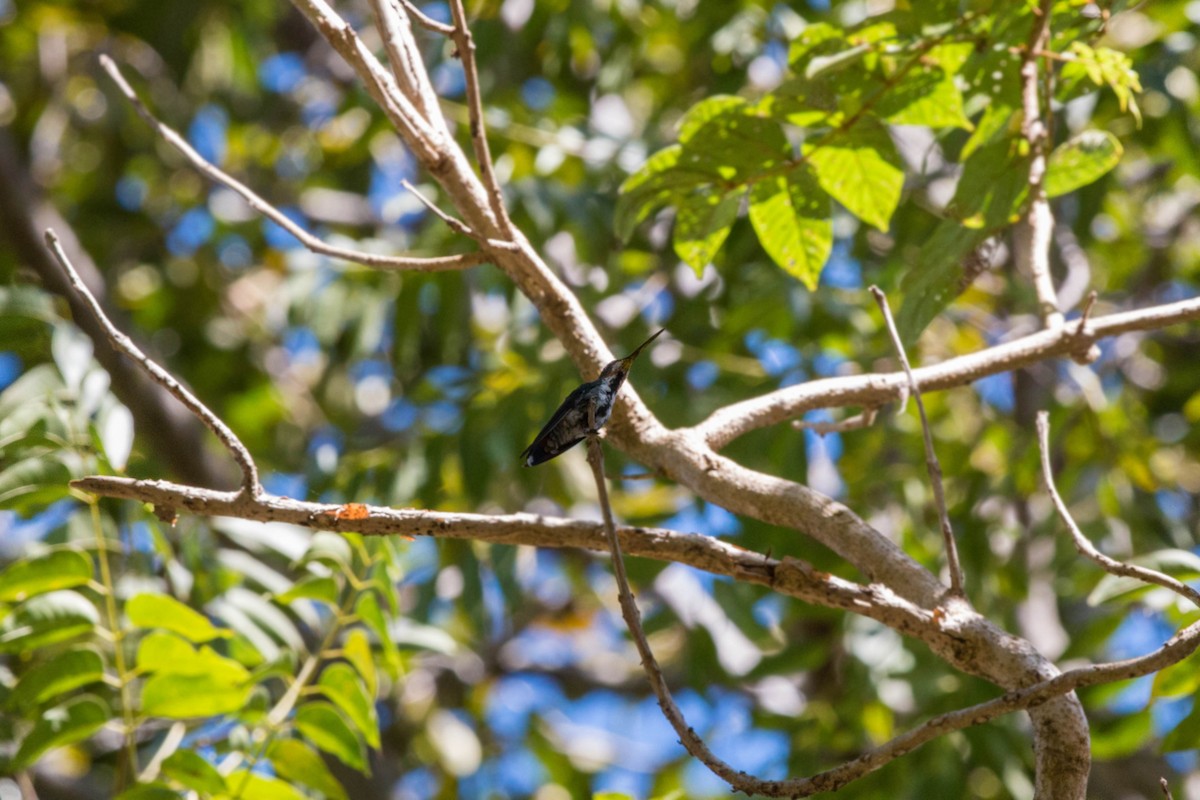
(629, 358)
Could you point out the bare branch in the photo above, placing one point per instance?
(407, 67)
(425, 21)
(159, 375)
(1084, 546)
(1166, 788)
(728, 423)
(455, 225)
(466, 54)
(788, 576)
(1033, 234)
(215, 173)
(931, 459)
(864, 420)
(633, 620)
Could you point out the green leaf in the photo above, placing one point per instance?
(937, 277)
(178, 696)
(61, 569)
(368, 610)
(322, 589)
(1181, 564)
(62, 725)
(165, 653)
(705, 111)
(322, 725)
(818, 38)
(791, 217)
(192, 771)
(734, 145)
(1080, 161)
(34, 482)
(357, 650)
(924, 97)
(297, 762)
(861, 169)
(47, 619)
(67, 671)
(163, 611)
(659, 180)
(252, 786)
(341, 684)
(702, 225)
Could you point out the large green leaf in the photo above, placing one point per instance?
(161, 652)
(1080, 161)
(322, 589)
(60, 569)
(163, 611)
(297, 762)
(47, 619)
(180, 696)
(924, 97)
(341, 684)
(861, 169)
(322, 724)
(702, 225)
(65, 672)
(662, 178)
(791, 217)
(62, 725)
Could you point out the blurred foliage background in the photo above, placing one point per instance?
(457, 669)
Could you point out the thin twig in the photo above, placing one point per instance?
(159, 375)
(737, 419)
(216, 174)
(1033, 234)
(466, 54)
(633, 620)
(1088, 304)
(1084, 546)
(864, 420)
(458, 226)
(1166, 788)
(931, 459)
(426, 21)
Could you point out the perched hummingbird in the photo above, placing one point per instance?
(569, 425)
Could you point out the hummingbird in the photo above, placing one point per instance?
(570, 423)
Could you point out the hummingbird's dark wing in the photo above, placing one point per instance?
(565, 429)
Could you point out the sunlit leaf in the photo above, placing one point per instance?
(254, 786)
(66, 671)
(60, 569)
(165, 653)
(62, 725)
(297, 762)
(47, 619)
(1085, 158)
(357, 650)
(179, 696)
(322, 724)
(323, 589)
(924, 97)
(702, 225)
(791, 217)
(163, 611)
(861, 169)
(341, 684)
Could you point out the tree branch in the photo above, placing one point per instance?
(159, 375)
(217, 175)
(1033, 233)
(931, 459)
(1084, 546)
(728, 423)
(407, 68)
